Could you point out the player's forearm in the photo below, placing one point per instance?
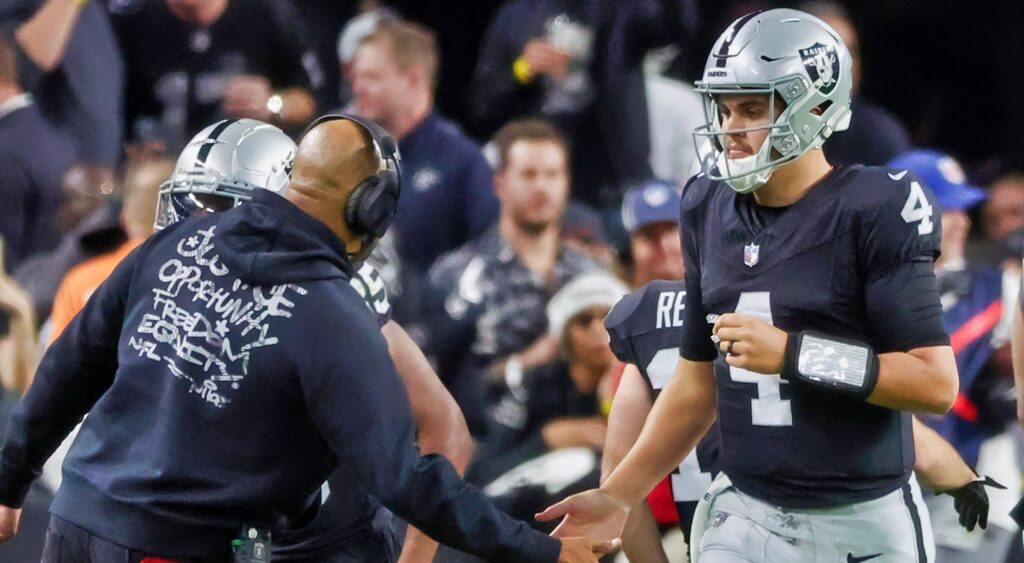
(440, 426)
(630, 408)
(641, 539)
(418, 548)
(45, 35)
(447, 436)
(938, 465)
(683, 413)
(922, 380)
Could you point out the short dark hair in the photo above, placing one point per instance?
(532, 129)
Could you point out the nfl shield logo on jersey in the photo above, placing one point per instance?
(751, 253)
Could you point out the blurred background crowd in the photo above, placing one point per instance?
(544, 145)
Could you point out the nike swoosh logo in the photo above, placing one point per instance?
(898, 176)
(768, 59)
(851, 559)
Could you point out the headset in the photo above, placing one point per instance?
(371, 206)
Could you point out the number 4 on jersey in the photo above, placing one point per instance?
(917, 209)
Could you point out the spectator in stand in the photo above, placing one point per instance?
(566, 403)
(138, 211)
(875, 136)
(449, 197)
(352, 34)
(650, 213)
(579, 64)
(68, 58)
(1004, 211)
(583, 231)
(18, 360)
(192, 62)
(88, 220)
(33, 156)
(486, 316)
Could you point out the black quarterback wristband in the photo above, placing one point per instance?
(832, 363)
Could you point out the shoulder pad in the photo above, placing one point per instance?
(369, 284)
(899, 217)
(634, 315)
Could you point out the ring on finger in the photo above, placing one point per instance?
(728, 349)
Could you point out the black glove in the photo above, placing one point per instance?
(971, 502)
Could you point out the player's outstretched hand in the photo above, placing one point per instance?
(751, 343)
(9, 518)
(580, 550)
(594, 514)
(971, 502)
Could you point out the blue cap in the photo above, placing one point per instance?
(653, 201)
(941, 173)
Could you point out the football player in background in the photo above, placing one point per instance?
(811, 321)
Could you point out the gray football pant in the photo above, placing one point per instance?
(734, 527)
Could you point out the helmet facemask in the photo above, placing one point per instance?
(198, 193)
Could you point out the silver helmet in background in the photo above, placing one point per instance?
(222, 165)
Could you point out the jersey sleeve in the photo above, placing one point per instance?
(904, 225)
(369, 284)
(617, 323)
(695, 344)
(903, 308)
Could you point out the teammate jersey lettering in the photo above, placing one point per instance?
(670, 309)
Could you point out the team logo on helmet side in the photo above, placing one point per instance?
(822, 64)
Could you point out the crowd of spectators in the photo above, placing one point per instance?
(509, 245)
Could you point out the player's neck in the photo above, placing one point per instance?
(408, 120)
(792, 181)
(536, 251)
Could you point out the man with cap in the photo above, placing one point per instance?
(973, 301)
(650, 213)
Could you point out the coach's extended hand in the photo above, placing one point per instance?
(585, 550)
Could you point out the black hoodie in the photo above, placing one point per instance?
(227, 366)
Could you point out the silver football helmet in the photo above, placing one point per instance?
(789, 55)
(222, 165)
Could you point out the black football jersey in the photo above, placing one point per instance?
(644, 329)
(836, 261)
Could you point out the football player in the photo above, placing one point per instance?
(812, 323)
(644, 329)
(247, 155)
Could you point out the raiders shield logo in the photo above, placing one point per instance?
(751, 254)
(822, 64)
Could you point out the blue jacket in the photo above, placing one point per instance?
(227, 367)
(447, 194)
